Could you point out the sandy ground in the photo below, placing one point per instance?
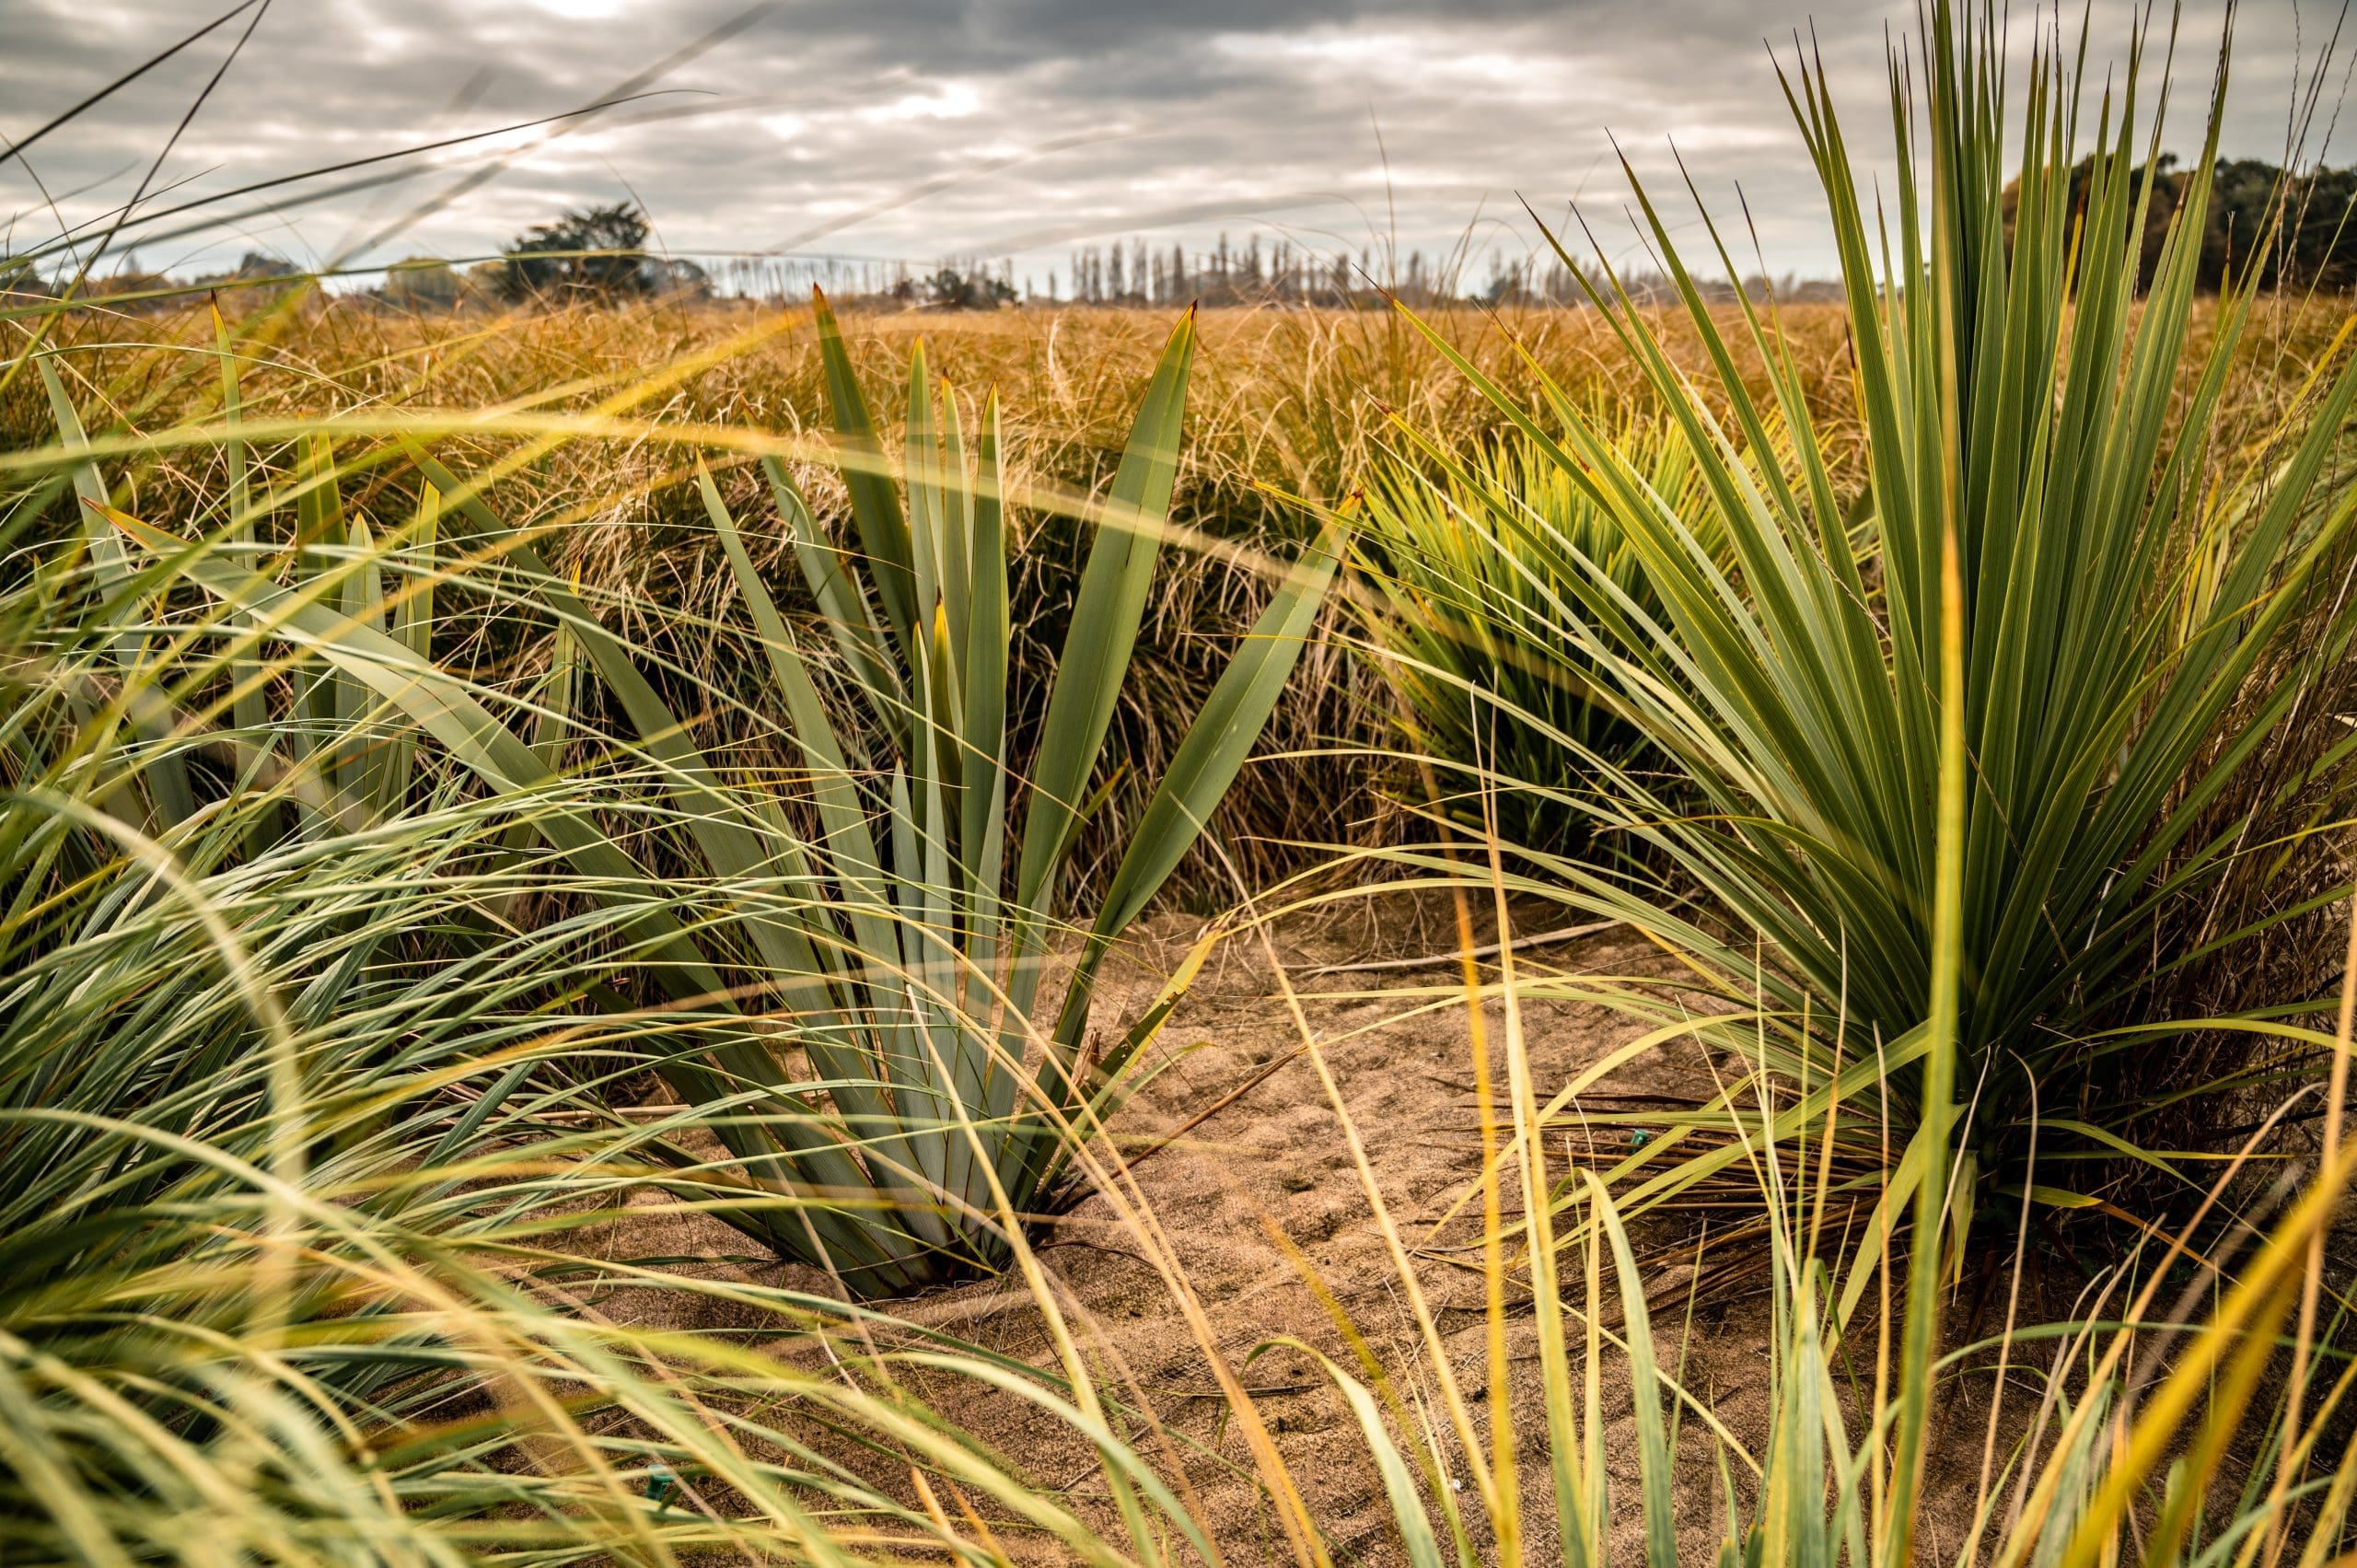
(1275, 1160)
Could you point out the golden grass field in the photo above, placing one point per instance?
(1287, 402)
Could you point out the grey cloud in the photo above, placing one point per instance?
(1171, 121)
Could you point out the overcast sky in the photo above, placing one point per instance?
(923, 129)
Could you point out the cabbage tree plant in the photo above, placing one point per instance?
(2149, 604)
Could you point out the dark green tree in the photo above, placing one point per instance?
(590, 254)
(2315, 244)
(949, 289)
(2295, 229)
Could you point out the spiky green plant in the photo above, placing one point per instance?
(2144, 609)
(921, 979)
(889, 914)
(298, 1144)
(1473, 556)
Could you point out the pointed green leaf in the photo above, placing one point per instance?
(1095, 656)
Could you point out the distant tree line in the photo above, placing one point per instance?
(593, 255)
(599, 254)
(1136, 274)
(2315, 246)
(258, 278)
(1133, 273)
(954, 287)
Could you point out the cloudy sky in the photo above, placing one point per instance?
(917, 130)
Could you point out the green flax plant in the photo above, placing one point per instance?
(871, 1035)
(1473, 557)
(310, 1179)
(2144, 609)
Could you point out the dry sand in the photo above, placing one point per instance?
(1276, 1159)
